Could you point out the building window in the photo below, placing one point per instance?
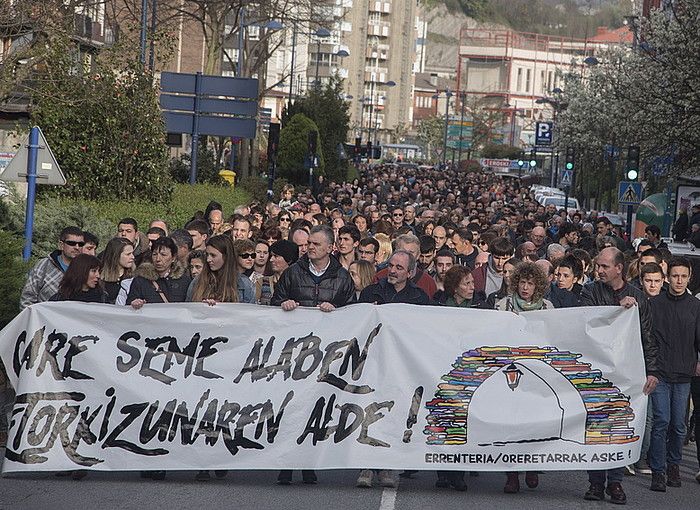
(528, 75)
(519, 84)
(542, 84)
(550, 84)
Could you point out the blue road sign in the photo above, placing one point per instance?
(543, 133)
(629, 193)
(566, 177)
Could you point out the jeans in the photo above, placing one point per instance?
(612, 475)
(670, 401)
(695, 392)
(646, 440)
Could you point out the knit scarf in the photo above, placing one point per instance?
(520, 305)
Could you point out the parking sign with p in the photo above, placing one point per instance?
(543, 133)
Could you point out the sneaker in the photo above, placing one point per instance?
(512, 485)
(596, 492)
(697, 477)
(221, 473)
(642, 468)
(673, 473)
(408, 473)
(387, 479)
(658, 482)
(79, 474)
(442, 482)
(629, 470)
(617, 495)
(365, 478)
(202, 476)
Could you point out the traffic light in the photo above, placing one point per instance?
(570, 158)
(358, 145)
(521, 161)
(313, 136)
(533, 159)
(369, 149)
(632, 168)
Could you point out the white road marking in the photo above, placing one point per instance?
(388, 501)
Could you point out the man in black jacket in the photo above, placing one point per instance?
(316, 279)
(611, 289)
(676, 320)
(397, 286)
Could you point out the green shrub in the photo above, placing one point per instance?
(13, 275)
(256, 187)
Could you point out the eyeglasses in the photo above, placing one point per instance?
(285, 219)
(247, 255)
(397, 214)
(74, 243)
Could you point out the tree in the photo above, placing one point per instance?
(294, 150)
(103, 124)
(328, 109)
(13, 271)
(431, 132)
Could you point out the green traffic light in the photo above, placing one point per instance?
(632, 174)
(569, 166)
(521, 162)
(533, 163)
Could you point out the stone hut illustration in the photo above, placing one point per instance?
(546, 395)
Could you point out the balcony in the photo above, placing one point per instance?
(383, 7)
(378, 29)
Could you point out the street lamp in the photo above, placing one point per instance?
(242, 24)
(390, 83)
(321, 33)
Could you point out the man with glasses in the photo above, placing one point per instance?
(368, 249)
(397, 217)
(46, 275)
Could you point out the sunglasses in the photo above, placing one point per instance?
(247, 255)
(285, 219)
(397, 214)
(74, 243)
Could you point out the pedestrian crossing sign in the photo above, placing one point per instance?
(566, 177)
(629, 193)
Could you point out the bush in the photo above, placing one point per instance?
(13, 276)
(294, 150)
(53, 213)
(207, 167)
(256, 187)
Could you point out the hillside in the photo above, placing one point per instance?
(571, 18)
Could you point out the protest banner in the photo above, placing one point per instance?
(235, 386)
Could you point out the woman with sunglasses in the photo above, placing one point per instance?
(284, 222)
(245, 256)
(118, 265)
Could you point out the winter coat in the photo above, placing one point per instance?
(676, 331)
(597, 293)
(96, 295)
(383, 292)
(174, 286)
(335, 286)
(43, 281)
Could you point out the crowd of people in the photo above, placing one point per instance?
(422, 237)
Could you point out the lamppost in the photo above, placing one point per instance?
(389, 84)
(462, 98)
(242, 24)
(321, 33)
(557, 106)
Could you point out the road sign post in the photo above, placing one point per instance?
(32, 149)
(629, 193)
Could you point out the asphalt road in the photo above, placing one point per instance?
(336, 490)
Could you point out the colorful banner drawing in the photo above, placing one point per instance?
(187, 386)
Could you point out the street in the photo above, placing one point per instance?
(336, 490)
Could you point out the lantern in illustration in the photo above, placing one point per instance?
(513, 375)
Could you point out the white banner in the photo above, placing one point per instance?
(235, 386)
